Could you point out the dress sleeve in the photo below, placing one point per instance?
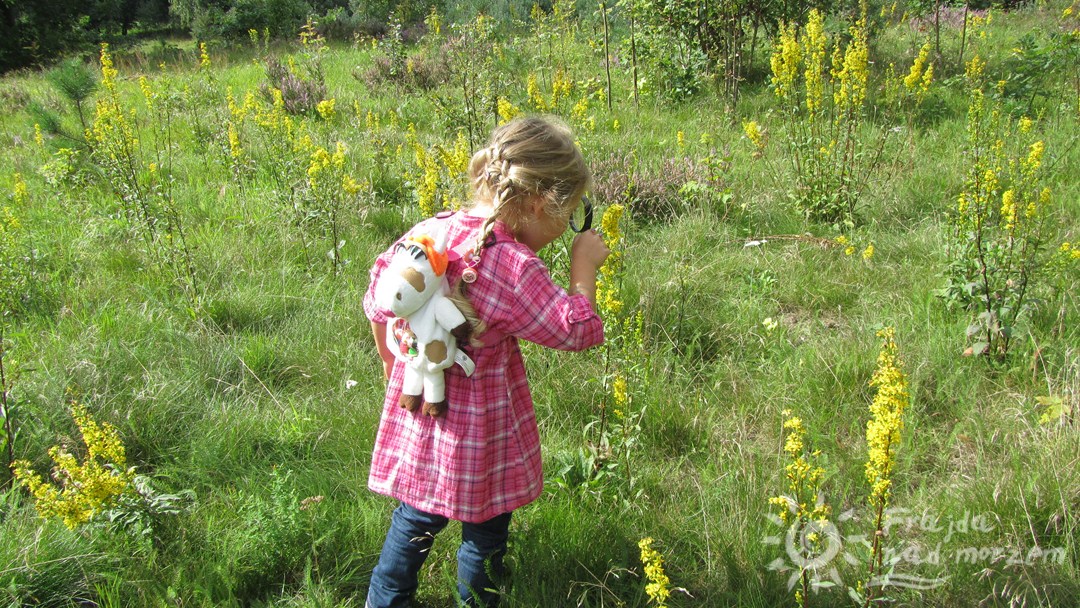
(542, 312)
(373, 312)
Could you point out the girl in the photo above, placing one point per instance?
(480, 460)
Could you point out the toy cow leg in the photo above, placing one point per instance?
(435, 402)
(412, 386)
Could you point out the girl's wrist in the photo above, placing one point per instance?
(583, 283)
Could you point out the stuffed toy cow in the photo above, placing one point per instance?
(426, 321)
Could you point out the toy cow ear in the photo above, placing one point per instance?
(440, 241)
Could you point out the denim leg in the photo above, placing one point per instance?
(407, 544)
(480, 559)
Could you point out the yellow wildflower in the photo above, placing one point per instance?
(607, 289)
(815, 42)
(658, 587)
(580, 109)
(868, 252)
(973, 70)
(804, 477)
(20, 192)
(38, 138)
(108, 73)
(849, 250)
(561, 87)
(887, 410)
(349, 185)
(852, 78)
(325, 108)
(85, 489)
(914, 76)
(785, 60)
(204, 57)
(928, 77)
(1034, 158)
(619, 392)
(755, 134)
(535, 97)
(1008, 208)
(507, 110)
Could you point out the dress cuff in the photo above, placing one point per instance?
(374, 313)
(580, 309)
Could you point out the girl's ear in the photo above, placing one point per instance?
(537, 205)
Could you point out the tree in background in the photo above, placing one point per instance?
(35, 31)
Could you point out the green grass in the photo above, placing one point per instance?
(267, 391)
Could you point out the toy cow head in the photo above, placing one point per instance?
(415, 273)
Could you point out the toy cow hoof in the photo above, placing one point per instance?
(409, 402)
(436, 410)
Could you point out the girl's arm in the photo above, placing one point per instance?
(537, 310)
(379, 331)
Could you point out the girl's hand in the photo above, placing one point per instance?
(587, 255)
(378, 331)
(588, 251)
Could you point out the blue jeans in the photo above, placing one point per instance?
(408, 542)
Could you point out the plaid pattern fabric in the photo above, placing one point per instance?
(482, 458)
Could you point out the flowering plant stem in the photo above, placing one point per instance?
(6, 415)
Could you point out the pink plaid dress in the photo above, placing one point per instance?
(481, 459)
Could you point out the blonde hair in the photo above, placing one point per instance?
(528, 158)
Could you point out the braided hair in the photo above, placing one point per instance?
(528, 158)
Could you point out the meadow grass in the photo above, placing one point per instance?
(263, 395)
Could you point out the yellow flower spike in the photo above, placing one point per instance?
(20, 192)
(914, 76)
(883, 431)
(1034, 159)
(754, 133)
(235, 150)
(325, 108)
(338, 159)
(1008, 208)
(658, 587)
(86, 488)
(39, 139)
(580, 110)
(973, 70)
(607, 289)
(507, 110)
(785, 61)
(204, 56)
(349, 185)
(815, 43)
(927, 79)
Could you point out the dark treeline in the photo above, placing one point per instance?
(36, 32)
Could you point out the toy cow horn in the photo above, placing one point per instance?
(436, 257)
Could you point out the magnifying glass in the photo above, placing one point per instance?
(582, 218)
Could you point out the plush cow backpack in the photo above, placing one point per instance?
(427, 324)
